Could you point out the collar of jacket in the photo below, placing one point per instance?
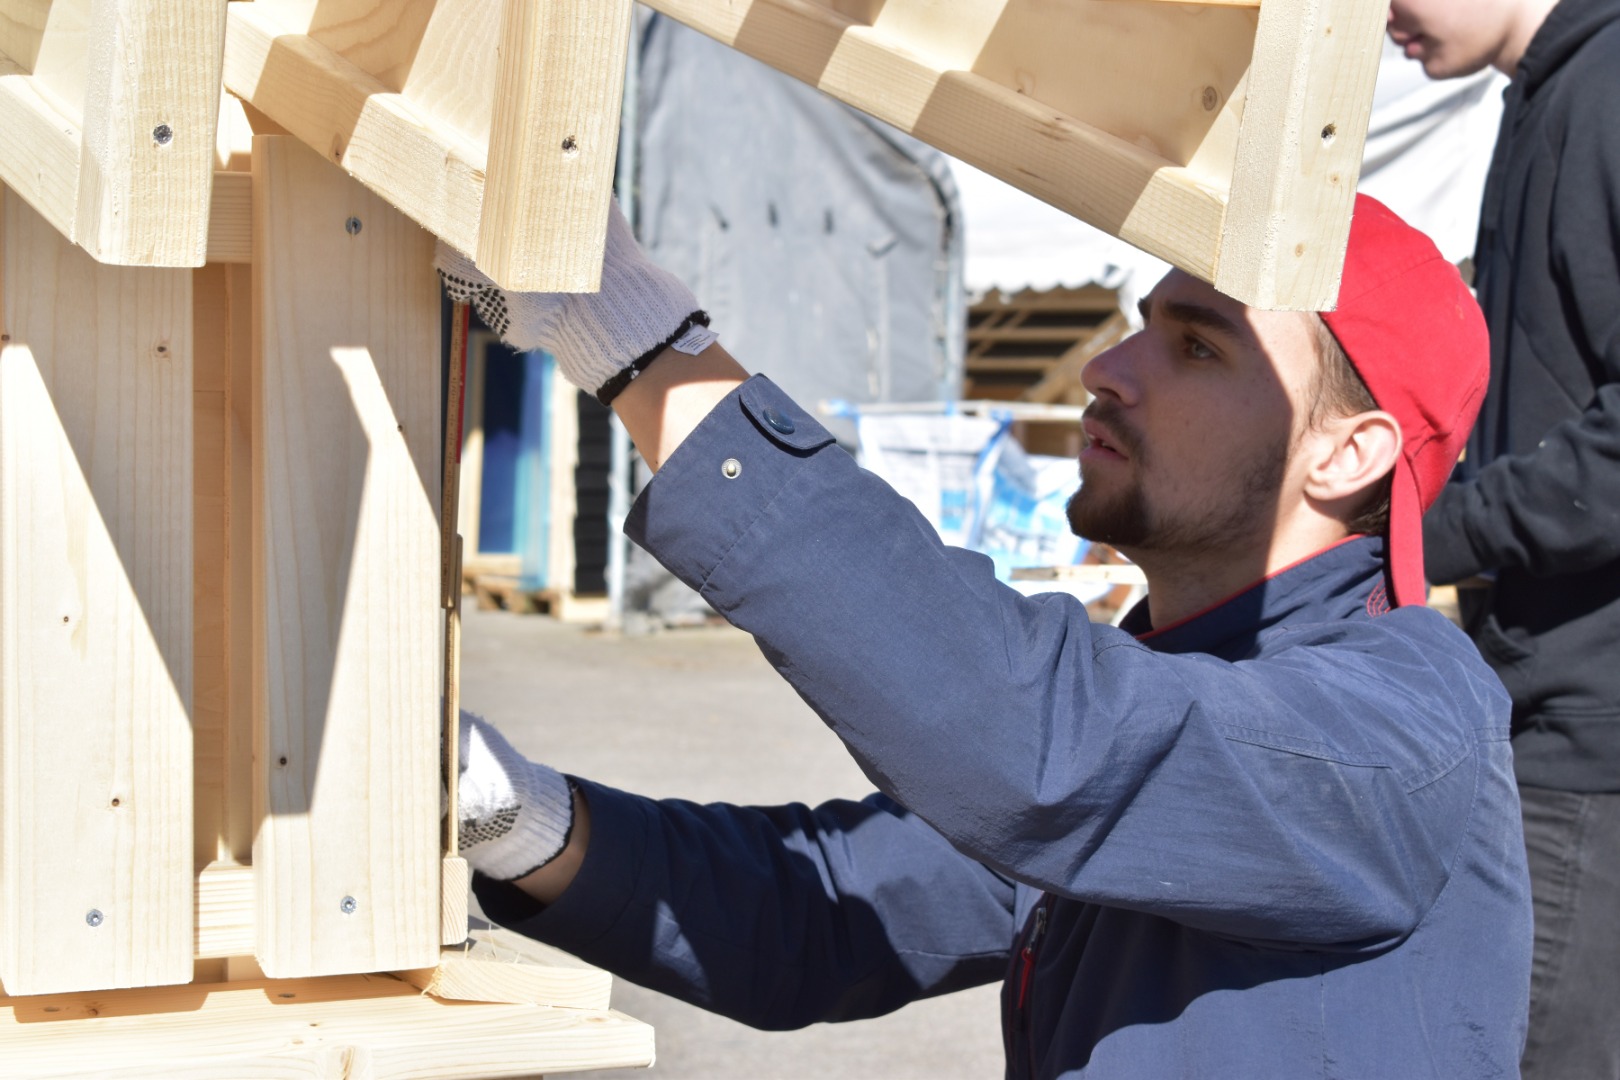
(1567, 27)
(1339, 582)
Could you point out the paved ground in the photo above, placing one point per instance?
(697, 713)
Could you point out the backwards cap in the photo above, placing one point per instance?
(1417, 338)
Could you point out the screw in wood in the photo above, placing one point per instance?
(94, 917)
(163, 134)
(352, 226)
(1211, 99)
(570, 145)
(1328, 133)
(349, 905)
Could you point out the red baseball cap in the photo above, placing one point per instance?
(1417, 337)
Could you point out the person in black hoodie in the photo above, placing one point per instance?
(1530, 525)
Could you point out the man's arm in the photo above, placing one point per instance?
(672, 396)
(777, 917)
(1556, 509)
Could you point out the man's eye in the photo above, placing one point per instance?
(1198, 350)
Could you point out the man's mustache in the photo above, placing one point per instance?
(1111, 415)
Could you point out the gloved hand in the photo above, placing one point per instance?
(515, 815)
(601, 340)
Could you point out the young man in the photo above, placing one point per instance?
(1267, 830)
(1531, 528)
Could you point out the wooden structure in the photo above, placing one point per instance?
(222, 577)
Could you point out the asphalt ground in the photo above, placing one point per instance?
(697, 713)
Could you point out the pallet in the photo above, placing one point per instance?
(503, 592)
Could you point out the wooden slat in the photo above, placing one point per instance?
(347, 573)
(150, 107)
(376, 1027)
(39, 148)
(553, 141)
(1299, 154)
(431, 172)
(225, 911)
(910, 68)
(95, 616)
(222, 493)
(230, 221)
(499, 965)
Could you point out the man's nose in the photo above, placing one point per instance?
(1114, 371)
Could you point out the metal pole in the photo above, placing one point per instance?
(619, 463)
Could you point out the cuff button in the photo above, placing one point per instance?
(731, 468)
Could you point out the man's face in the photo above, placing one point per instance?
(1191, 424)
(1450, 37)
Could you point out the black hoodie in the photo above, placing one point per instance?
(1536, 499)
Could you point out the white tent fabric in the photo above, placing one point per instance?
(1428, 147)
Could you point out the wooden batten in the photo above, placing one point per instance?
(107, 120)
(346, 573)
(1299, 154)
(373, 1026)
(95, 616)
(417, 105)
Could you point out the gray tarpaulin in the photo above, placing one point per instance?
(826, 245)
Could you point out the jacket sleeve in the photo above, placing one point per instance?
(1556, 509)
(777, 917)
(1065, 755)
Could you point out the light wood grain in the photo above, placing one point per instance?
(553, 142)
(225, 910)
(39, 148)
(230, 219)
(96, 586)
(1299, 155)
(376, 1027)
(500, 965)
(147, 153)
(346, 572)
(429, 171)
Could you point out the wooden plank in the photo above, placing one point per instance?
(95, 616)
(561, 431)
(346, 567)
(417, 103)
(429, 171)
(1299, 153)
(375, 1026)
(230, 221)
(499, 965)
(905, 65)
(39, 148)
(456, 883)
(211, 318)
(553, 142)
(147, 155)
(222, 491)
(225, 911)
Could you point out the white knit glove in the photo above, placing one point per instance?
(601, 340)
(515, 814)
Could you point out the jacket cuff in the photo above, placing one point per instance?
(722, 477)
(596, 899)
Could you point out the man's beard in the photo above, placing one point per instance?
(1242, 507)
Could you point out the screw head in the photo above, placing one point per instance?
(163, 134)
(94, 917)
(349, 905)
(352, 226)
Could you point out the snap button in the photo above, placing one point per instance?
(778, 421)
(731, 468)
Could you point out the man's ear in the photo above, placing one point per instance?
(1349, 455)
